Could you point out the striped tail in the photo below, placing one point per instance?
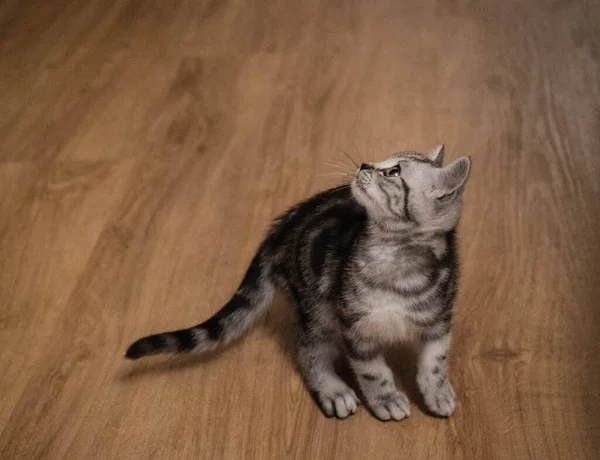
(249, 302)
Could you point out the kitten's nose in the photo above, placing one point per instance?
(366, 166)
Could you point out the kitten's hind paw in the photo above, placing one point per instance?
(391, 406)
(340, 404)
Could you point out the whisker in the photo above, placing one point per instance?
(360, 157)
(344, 185)
(350, 158)
(335, 164)
(333, 174)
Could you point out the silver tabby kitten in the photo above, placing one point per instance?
(366, 264)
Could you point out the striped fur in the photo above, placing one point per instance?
(366, 264)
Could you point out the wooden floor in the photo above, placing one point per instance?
(146, 146)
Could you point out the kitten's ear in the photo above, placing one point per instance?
(437, 155)
(455, 175)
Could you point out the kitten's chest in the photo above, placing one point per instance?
(397, 260)
(385, 318)
(397, 289)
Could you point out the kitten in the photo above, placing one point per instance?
(366, 264)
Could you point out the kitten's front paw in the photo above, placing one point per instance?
(340, 404)
(441, 401)
(391, 406)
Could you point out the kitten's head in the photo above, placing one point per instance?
(413, 190)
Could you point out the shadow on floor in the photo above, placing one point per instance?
(279, 324)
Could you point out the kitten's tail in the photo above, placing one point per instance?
(249, 302)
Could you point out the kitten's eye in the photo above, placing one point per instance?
(392, 172)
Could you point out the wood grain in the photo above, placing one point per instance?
(146, 146)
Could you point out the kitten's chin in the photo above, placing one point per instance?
(358, 192)
(362, 197)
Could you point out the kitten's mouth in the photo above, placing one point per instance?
(363, 178)
(361, 182)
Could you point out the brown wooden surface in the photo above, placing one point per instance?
(145, 147)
